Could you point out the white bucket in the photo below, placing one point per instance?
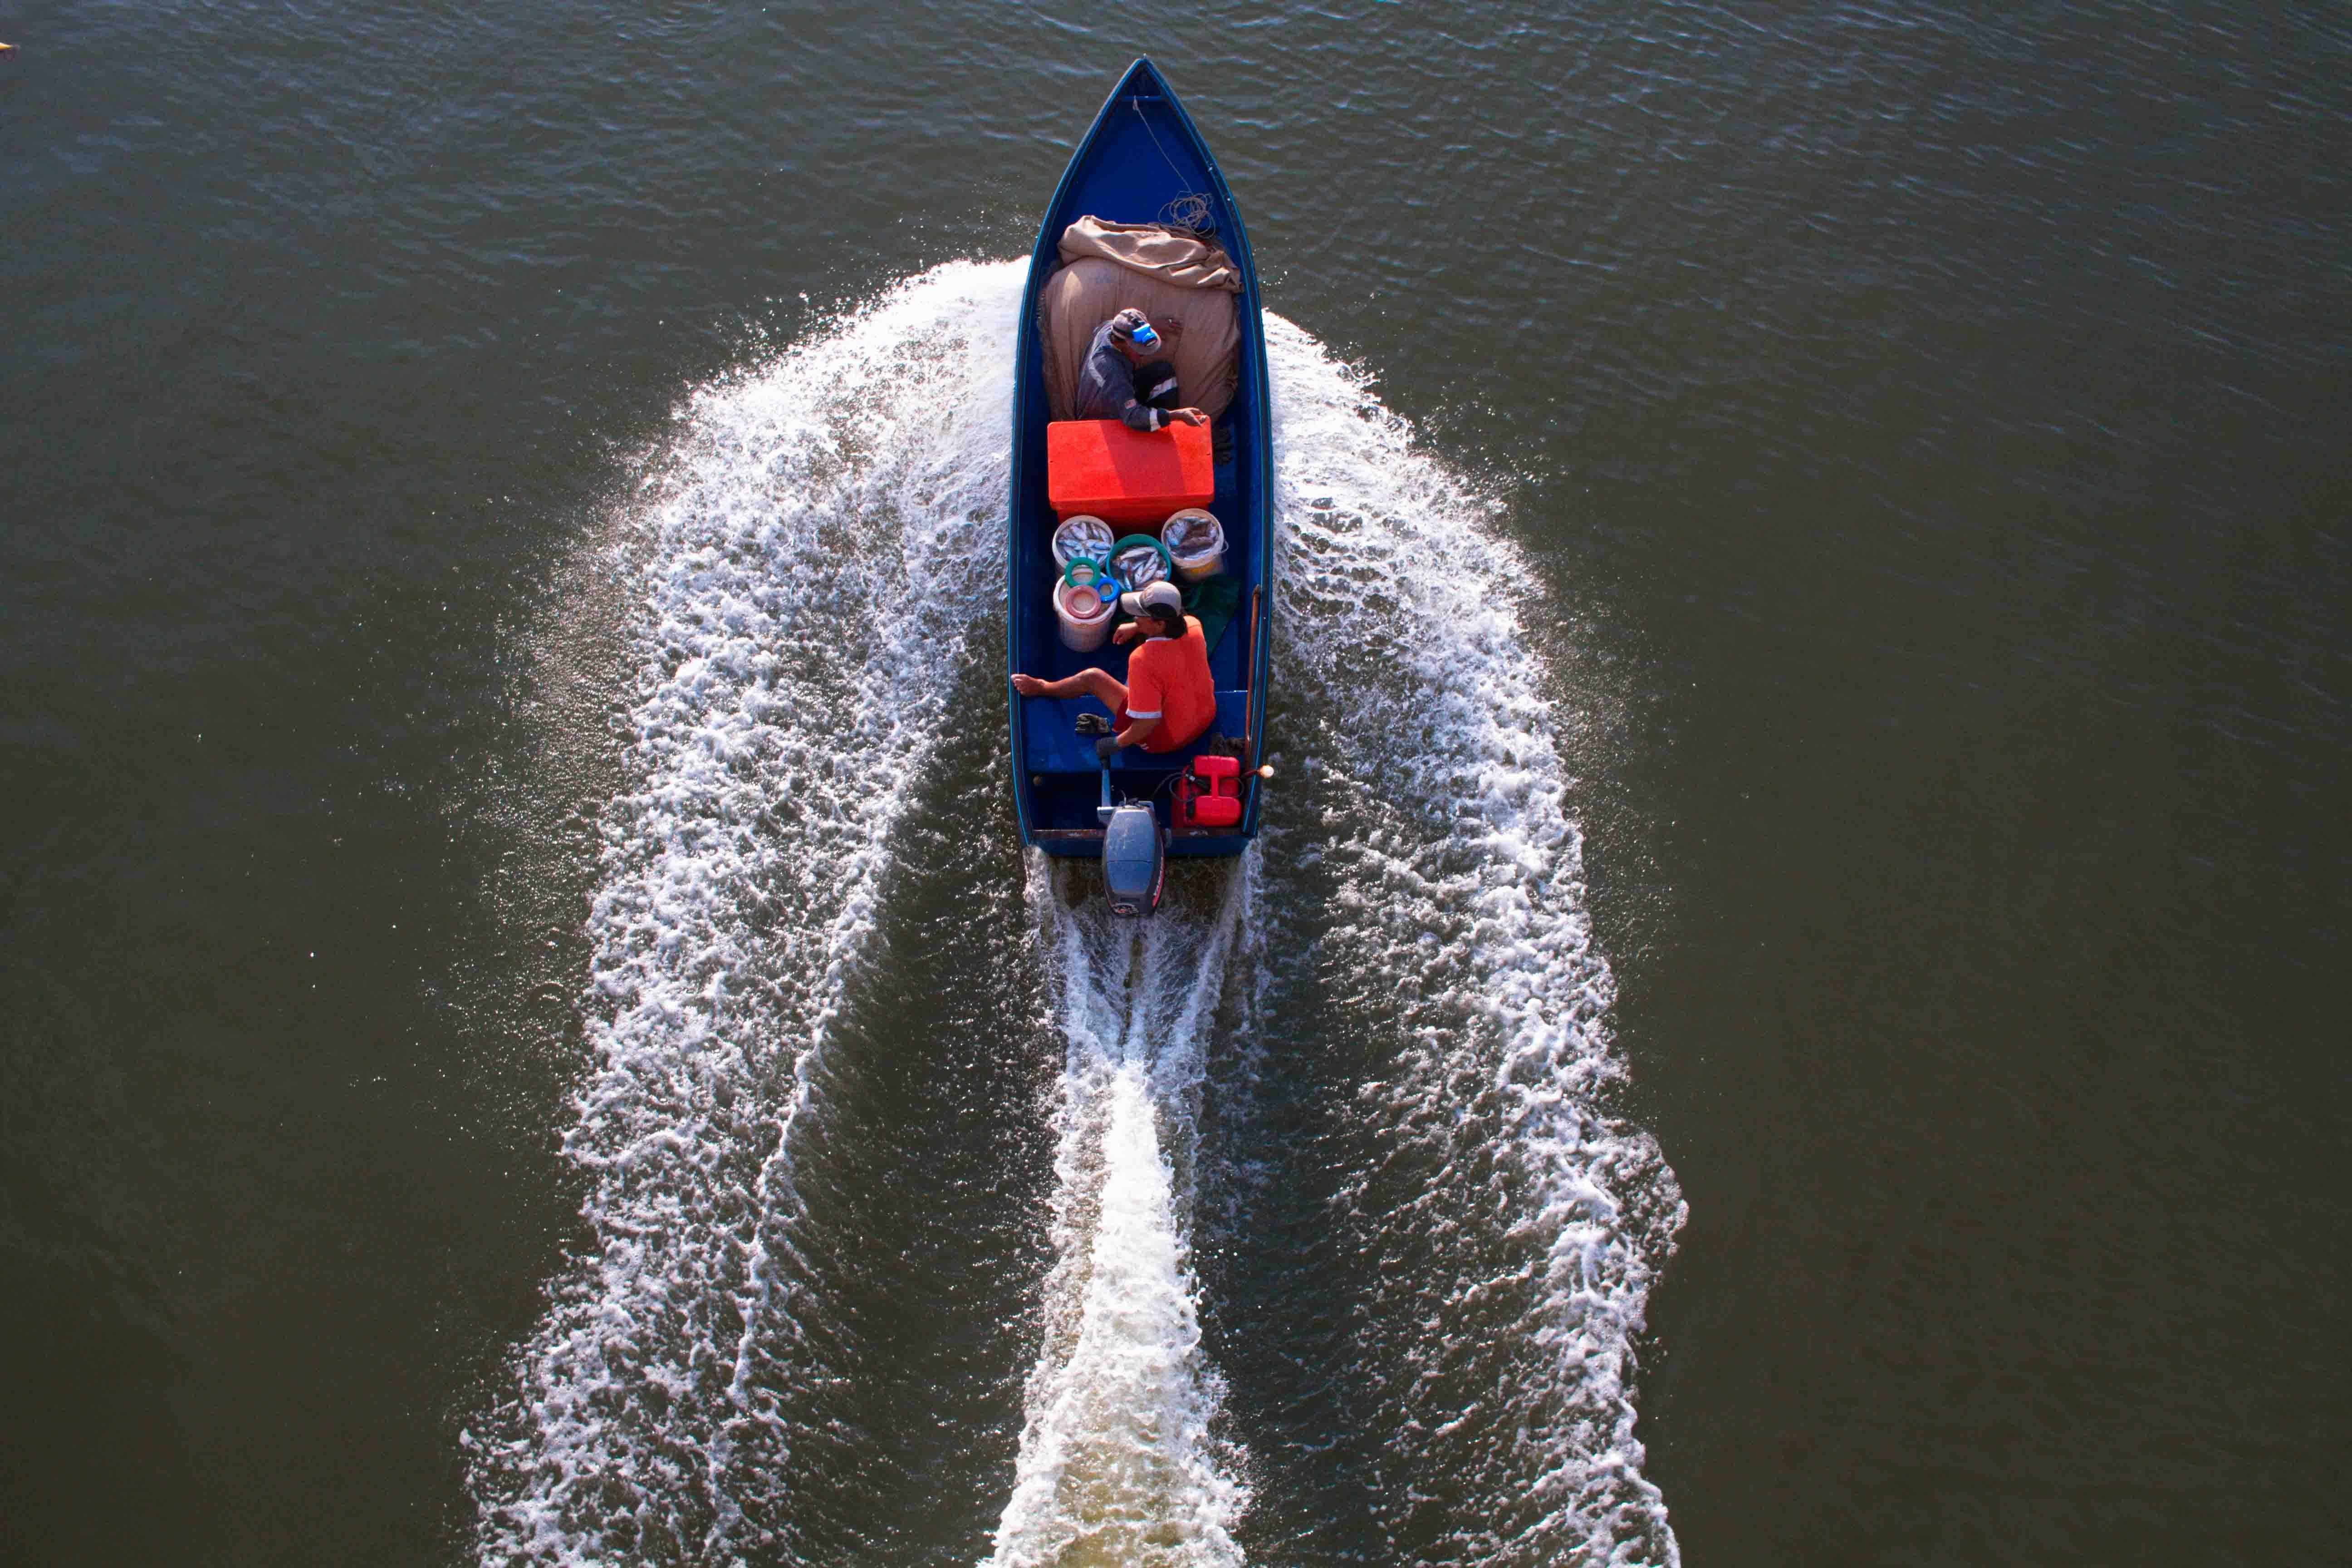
(1085, 619)
(1081, 535)
(1196, 542)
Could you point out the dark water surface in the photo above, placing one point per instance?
(1922, 433)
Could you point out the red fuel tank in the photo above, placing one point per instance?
(1209, 794)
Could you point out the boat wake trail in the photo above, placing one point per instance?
(1369, 1070)
(803, 514)
(1120, 1463)
(1431, 1142)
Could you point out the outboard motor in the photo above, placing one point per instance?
(1134, 855)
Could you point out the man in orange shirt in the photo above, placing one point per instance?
(1168, 699)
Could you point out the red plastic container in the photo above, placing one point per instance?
(1101, 467)
(1209, 794)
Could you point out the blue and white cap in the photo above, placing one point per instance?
(1130, 326)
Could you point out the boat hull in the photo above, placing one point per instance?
(1141, 154)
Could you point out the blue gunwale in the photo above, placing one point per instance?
(1122, 172)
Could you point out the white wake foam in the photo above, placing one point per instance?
(1118, 1462)
(1514, 1228)
(818, 536)
(789, 692)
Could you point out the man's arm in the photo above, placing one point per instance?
(1140, 416)
(1137, 730)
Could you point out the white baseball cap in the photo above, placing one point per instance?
(1161, 601)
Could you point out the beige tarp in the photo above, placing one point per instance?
(1185, 286)
(1154, 250)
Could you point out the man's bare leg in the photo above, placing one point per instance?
(1098, 684)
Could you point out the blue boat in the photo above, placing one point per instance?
(1143, 162)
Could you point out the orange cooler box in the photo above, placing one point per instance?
(1101, 467)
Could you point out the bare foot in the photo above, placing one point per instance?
(1027, 684)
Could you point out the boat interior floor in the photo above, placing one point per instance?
(1054, 743)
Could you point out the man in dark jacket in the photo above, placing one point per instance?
(1116, 381)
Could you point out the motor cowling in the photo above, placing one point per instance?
(1134, 861)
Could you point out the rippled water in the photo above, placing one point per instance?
(1789, 1008)
(815, 546)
